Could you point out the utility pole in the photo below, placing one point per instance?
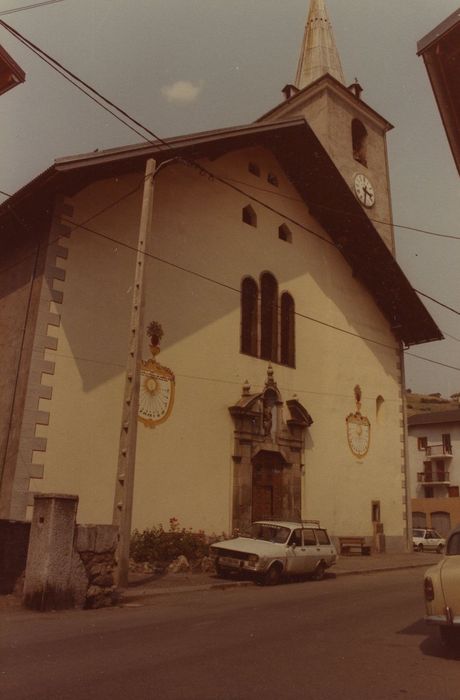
(124, 489)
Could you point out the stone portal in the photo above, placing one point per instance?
(268, 455)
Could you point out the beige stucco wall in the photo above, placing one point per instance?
(184, 466)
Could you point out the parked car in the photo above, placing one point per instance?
(442, 591)
(427, 540)
(275, 549)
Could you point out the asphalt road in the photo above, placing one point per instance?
(355, 637)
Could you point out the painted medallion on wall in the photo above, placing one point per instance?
(358, 429)
(156, 389)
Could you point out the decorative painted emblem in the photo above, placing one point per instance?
(358, 428)
(156, 389)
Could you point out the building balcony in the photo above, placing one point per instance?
(433, 478)
(438, 450)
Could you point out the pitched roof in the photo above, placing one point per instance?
(441, 53)
(10, 73)
(309, 168)
(452, 416)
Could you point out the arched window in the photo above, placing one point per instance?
(418, 519)
(249, 316)
(359, 140)
(267, 322)
(249, 216)
(269, 317)
(379, 401)
(440, 521)
(287, 330)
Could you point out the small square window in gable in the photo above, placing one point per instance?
(249, 216)
(273, 180)
(284, 233)
(254, 169)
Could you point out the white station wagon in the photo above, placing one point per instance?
(275, 549)
(442, 591)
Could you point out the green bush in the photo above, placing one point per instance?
(156, 544)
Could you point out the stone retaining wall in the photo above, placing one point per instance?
(93, 565)
(14, 541)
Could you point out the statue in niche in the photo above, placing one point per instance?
(268, 416)
(267, 419)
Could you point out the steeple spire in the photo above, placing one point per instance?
(319, 54)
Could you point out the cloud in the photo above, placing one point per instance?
(182, 91)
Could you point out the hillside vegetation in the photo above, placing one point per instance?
(428, 403)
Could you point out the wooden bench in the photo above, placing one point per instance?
(354, 545)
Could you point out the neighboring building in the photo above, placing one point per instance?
(440, 50)
(10, 73)
(284, 315)
(434, 458)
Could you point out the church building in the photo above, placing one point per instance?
(242, 297)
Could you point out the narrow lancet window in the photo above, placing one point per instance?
(249, 316)
(287, 330)
(269, 317)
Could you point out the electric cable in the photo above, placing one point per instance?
(75, 79)
(29, 7)
(449, 308)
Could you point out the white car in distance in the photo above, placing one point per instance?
(427, 540)
(273, 549)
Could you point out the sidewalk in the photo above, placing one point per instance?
(143, 588)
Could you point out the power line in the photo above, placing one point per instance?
(222, 284)
(83, 226)
(434, 362)
(75, 80)
(449, 308)
(29, 7)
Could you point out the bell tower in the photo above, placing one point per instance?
(353, 134)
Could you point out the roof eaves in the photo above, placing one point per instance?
(172, 145)
(327, 77)
(449, 416)
(438, 32)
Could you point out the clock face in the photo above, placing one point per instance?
(358, 434)
(364, 190)
(156, 394)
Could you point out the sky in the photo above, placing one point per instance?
(180, 66)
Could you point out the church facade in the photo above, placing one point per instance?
(275, 314)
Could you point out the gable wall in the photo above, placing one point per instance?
(184, 466)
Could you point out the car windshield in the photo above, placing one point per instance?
(270, 533)
(454, 544)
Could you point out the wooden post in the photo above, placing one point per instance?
(124, 489)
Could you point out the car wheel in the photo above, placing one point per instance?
(273, 576)
(420, 547)
(319, 572)
(222, 573)
(439, 548)
(450, 636)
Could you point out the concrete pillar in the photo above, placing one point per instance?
(48, 571)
